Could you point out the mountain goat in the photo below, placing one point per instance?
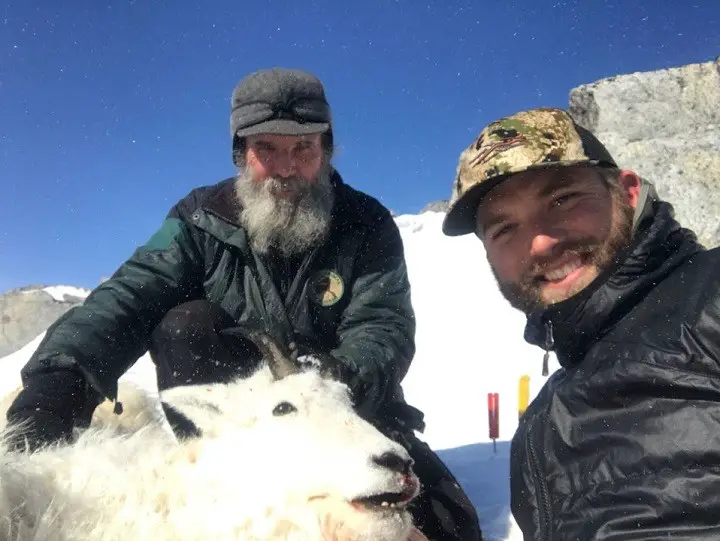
(282, 456)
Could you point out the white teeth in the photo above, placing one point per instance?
(563, 271)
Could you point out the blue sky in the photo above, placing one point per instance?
(110, 111)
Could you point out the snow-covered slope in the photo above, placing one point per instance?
(469, 339)
(469, 343)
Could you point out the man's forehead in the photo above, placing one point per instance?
(282, 140)
(536, 183)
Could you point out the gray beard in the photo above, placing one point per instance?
(290, 226)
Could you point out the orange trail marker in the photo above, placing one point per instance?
(494, 418)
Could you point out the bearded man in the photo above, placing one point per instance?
(623, 441)
(284, 246)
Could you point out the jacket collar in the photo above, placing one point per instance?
(569, 328)
(223, 203)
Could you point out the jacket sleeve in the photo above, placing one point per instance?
(377, 331)
(85, 352)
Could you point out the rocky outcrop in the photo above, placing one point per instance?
(28, 311)
(665, 125)
(441, 205)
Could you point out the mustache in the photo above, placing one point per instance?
(287, 182)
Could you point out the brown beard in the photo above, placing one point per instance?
(526, 294)
(288, 225)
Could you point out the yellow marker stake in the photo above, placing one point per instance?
(523, 394)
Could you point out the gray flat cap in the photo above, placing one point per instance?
(279, 101)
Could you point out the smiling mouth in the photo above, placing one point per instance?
(561, 273)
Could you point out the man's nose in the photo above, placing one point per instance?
(543, 244)
(284, 164)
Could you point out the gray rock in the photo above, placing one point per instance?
(665, 125)
(440, 205)
(26, 312)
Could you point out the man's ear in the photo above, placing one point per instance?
(631, 184)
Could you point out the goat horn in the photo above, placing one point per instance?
(279, 362)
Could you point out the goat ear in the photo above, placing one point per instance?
(280, 362)
(190, 409)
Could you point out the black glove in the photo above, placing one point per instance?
(332, 368)
(396, 419)
(47, 409)
(32, 430)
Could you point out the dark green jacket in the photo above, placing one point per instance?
(201, 252)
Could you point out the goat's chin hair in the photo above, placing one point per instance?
(341, 521)
(336, 520)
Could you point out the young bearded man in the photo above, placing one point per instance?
(623, 442)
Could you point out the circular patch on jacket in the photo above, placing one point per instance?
(326, 287)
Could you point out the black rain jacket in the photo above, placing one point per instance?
(623, 441)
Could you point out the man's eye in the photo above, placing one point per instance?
(564, 198)
(501, 231)
(305, 152)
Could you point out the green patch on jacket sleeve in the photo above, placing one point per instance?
(164, 237)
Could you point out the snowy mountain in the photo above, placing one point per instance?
(27, 311)
(469, 344)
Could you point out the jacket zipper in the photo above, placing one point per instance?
(544, 514)
(549, 344)
(296, 283)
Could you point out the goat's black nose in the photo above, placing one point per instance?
(393, 461)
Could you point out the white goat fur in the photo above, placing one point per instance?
(252, 475)
(140, 409)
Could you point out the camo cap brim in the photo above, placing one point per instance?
(534, 139)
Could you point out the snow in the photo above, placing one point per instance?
(60, 292)
(469, 343)
(10, 365)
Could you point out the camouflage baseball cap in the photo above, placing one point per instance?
(534, 139)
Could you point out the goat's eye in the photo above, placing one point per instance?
(283, 408)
